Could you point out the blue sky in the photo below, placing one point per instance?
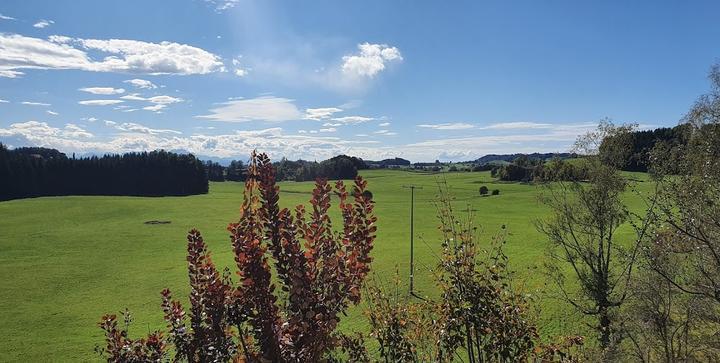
(376, 79)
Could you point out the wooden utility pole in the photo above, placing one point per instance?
(412, 234)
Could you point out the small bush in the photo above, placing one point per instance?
(484, 190)
(453, 168)
(496, 192)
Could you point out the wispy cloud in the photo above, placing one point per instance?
(448, 126)
(133, 127)
(100, 102)
(240, 71)
(102, 90)
(516, 125)
(141, 83)
(351, 120)
(320, 113)
(264, 108)
(43, 24)
(5, 17)
(222, 5)
(29, 103)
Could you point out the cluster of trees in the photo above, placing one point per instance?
(388, 163)
(642, 142)
(336, 168)
(527, 169)
(490, 158)
(34, 172)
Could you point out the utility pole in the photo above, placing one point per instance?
(412, 234)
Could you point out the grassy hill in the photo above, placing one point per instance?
(67, 260)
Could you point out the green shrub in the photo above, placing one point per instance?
(496, 192)
(484, 190)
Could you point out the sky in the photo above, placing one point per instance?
(422, 80)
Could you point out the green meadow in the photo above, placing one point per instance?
(65, 261)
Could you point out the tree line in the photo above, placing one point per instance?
(34, 172)
(336, 168)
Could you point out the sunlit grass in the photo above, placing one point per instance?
(67, 260)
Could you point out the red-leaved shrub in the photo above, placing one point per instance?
(319, 270)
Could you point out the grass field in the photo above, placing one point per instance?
(65, 261)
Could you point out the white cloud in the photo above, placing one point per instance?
(43, 24)
(329, 129)
(330, 124)
(41, 134)
(240, 71)
(158, 102)
(4, 101)
(89, 119)
(100, 102)
(384, 124)
(102, 90)
(133, 127)
(35, 103)
(370, 61)
(448, 126)
(141, 83)
(110, 123)
(264, 108)
(222, 5)
(320, 113)
(164, 100)
(381, 132)
(19, 52)
(154, 108)
(10, 74)
(75, 131)
(516, 125)
(353, 120)
(51, 113)
(133, 97)
(5, 17)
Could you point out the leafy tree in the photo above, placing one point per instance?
(582, 231)
(684, 251)
(496, 192)
(318, 278)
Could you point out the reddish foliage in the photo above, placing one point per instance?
(119, 348)
(318, 277)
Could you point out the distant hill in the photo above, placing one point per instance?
(388, 163)
(510, 157)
